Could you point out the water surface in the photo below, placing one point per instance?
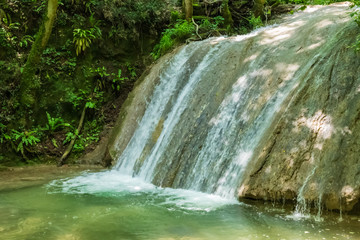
(107, 205)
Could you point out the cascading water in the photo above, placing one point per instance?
(302, 209)
(176, 110)
(217, 99)
(155, 108)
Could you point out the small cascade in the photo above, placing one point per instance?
(302, 209)
(319, 206)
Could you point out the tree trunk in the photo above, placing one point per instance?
(258, 8)
(28, 84)
(228, 21)
(188, 9)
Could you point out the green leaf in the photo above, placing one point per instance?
(90, 105)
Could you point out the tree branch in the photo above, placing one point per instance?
(71, 145)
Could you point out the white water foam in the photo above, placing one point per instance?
(123, 185)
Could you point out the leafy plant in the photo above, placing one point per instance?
(4, 41)
(94, 99)
(53, 141)
(82, 38)
(89, 135)
(40, 7)
(3, 135)
(14, 26)
(132, 18)
(7, 38)
(76, 99)
(208, 25)
(26, 41)
(23, 140)
(165, 44)
(132, 71)
(118, 80)
(55, 123)
(175, 15)
(70, 136)
(180, 32)
(219, 20)
(102, 74)
(255, 22)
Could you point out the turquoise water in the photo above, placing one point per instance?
(107, 205)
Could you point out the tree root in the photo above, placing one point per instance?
(197, 28)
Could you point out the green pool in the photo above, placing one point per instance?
(107, 205)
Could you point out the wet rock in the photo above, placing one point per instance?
(272, 115)
(318, 129)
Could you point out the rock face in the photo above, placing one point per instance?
(270, 115)
(316, 137)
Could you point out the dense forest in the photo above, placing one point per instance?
(66, 66)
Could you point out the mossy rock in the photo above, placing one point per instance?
(201, 18)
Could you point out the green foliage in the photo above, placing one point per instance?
(9, 102)
(40, 8)
(118, 80)
(69, 136)
(166, 43)
(255, 22)
(55, 123)
(115, 80)
(356, 16)
(23, 140)
(26, 41)
(82, 38)
(175, 16)
(90, 104)
(3, 135)
(208, 25)
(219, 20)
(90, 100)
(8, 38)
(131, 18)
(77, 99)
(171, 36)
(95, 99)
(131, 70)
(4, 40)
(101, 75)
(89, 135)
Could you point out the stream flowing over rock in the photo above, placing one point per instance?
(271, 115)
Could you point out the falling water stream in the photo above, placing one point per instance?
(178, 174)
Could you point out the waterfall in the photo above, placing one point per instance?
(234, 128)
(216, 102)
